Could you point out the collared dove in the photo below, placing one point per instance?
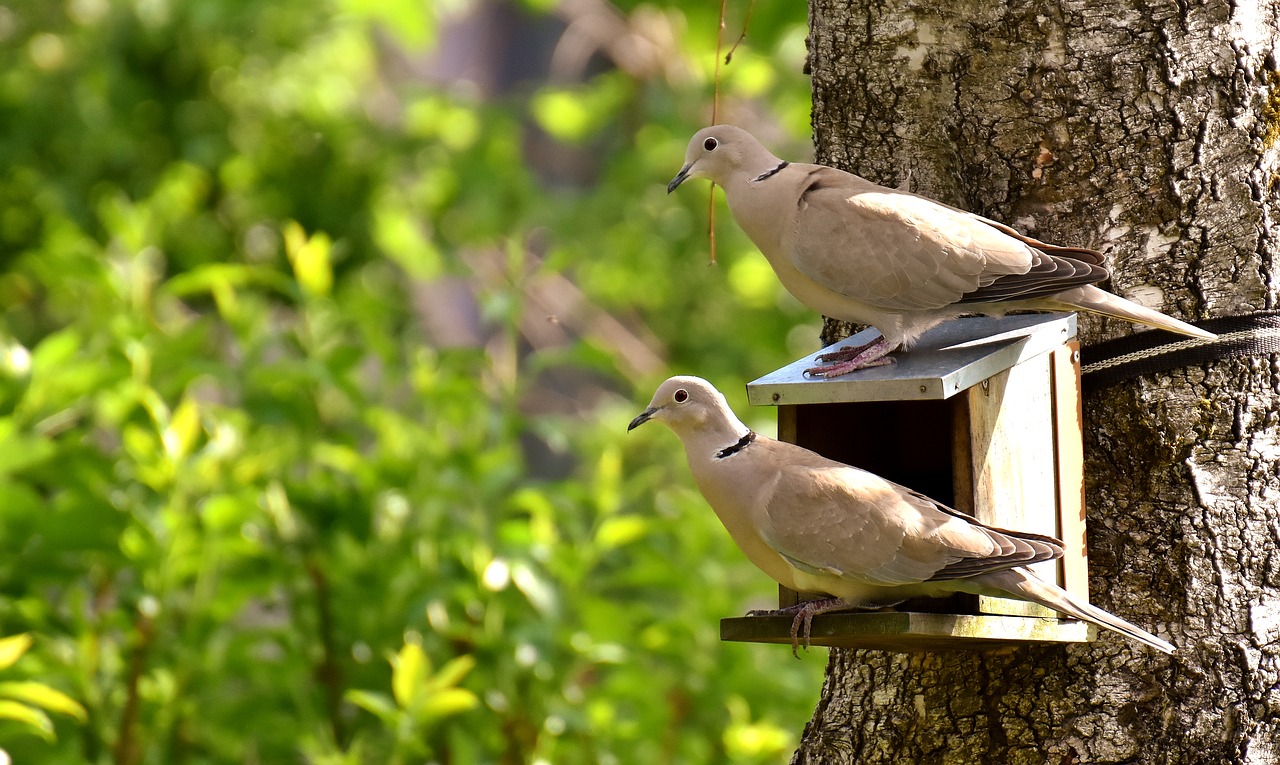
(902, 263)
(815, 525)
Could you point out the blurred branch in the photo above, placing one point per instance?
(328, 673)
(559, 301)
(126, 748)
(643, 44)
(556, 310)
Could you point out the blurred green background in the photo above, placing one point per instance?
(323, 323)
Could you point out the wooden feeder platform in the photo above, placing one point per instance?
(911, 631)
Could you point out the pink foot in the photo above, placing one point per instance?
(804, 613)
(872, 354)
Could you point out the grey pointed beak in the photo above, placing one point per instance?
(642, 418)
(680, 178)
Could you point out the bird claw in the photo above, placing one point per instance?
(846, 360)
(848, 352)
(803, 613)
(835, 370)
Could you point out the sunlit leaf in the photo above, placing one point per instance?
(563, 114)
(33, 718)
(310, 259)
(452, 672)
(402, 237)
(276, 502)
(19, 451)
(43, 696)
(410, 668)
(411, 22)
(536, 588)
(450, 701)
(746, 739)
(12, 648)
(608, 480)
(56, 349)
(183, 428)
(620, 530)
(752, 280)
(217, 277)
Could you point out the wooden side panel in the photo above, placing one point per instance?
(1069, 420)
(962, 455)
(1014, 468)
(787, 432)
(787, 424)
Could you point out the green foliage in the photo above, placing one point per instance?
(252, 512)
(420, 700)
(25, 702)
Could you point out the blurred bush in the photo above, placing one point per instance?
(322, 326)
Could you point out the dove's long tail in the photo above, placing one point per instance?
(1091, 298)
(1024, 585)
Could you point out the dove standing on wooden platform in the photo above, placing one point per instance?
(902, 263)
(816, 525)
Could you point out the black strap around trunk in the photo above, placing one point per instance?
(1155, 351)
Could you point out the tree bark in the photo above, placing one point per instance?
(1150, 131)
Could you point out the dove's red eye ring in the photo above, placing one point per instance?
(710, 144)
(681, 395)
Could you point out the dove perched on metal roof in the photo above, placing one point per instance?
(864, 253)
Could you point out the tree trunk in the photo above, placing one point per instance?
(1150, 131)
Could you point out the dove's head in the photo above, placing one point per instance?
(687, 405)
(720, 152)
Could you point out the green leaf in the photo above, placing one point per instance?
(412, 23)
(563, 114)
(450, 701)
(183, 429)
(20, 451)
(12, 648)
(45, 697)
(31, 717)
(403, 239)
(376, 703)
(310, 259)
(609, 480)
(215, 278)
(621, 530)
(452, 672)
(539, 592)
(409, 674)
(56, 349)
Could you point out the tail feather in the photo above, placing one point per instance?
(1095, 300)
(1022, 584)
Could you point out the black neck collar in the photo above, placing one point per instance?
(729, 451)
(767, 174)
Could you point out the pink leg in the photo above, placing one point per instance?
(873, 354)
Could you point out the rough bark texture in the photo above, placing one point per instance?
(1151, 131)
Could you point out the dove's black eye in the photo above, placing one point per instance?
(682, 395)
(710, 144)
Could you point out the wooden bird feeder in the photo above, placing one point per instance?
(984, 415)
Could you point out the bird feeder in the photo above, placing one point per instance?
(984, 415)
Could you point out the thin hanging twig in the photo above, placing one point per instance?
(715, 108)
(715, 118)
(746, 23)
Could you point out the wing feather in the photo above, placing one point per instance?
(843, 520)
(901, 252)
